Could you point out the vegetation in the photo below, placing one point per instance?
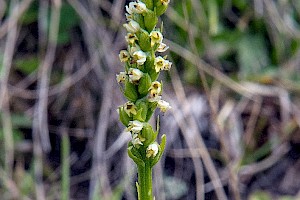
(233, 131)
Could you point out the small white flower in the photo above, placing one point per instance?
(155, 87)
(129, 10)
(155, 91)
(132, 26)
(135, 126)
(159, 63)
(162, 47)
(133, 49)
(140, 57)
(134, 75)
(137, 7)
(156, 37)
(131, 38)
(153, 97)
(136, 141)
(167, 65)
(121, 77)
(130, 108)
(129, 17)
(124, 56)
(165, 2)
(152, 150)
(163, 105)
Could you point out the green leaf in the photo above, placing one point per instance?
(213, 17)
(142, 111)
(130, 91)
(31, 14)
(137, 160)
(144, 40)
(68, 20)
(252, 55)
(27, 65)
(260, 195)
(124, 118)
(151, 20)
(149, 3)
(144, 85)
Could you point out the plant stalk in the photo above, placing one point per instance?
(145, 181)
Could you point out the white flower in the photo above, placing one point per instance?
(155, 87)
(152, 150)
(121, 77)
(155, 91)
(129, 17)
(131, 38)
(159, 63)
(130, 108)
(134, 75)
(133, 49)
(156, 37)
(140, 57)
(163, 105)
(132, 26)
(153, 97)
(129, 10)
(135, 126)
(137, 7)
(167, 65)
(136, 141)
(124, 56)
(162, 47)
(165, 2)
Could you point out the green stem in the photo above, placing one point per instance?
(145, 181)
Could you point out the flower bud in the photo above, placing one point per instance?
(132, 26)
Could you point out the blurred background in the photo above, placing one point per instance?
(233, 131)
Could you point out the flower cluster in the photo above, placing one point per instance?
(139, 79)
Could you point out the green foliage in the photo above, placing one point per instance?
(68, 20)
(235, 37)
(27, 65)
(252, 55)
(262, 195)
